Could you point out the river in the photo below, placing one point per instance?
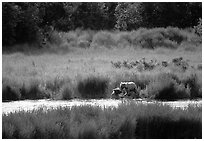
(29, 105)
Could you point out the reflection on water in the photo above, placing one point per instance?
(28, 105)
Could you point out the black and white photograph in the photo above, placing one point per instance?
(101, 70)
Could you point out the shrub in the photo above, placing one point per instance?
(127, 128)
(164, 87)
(86, 35)
(93, 87)
(117, 64)
(104, 38)
(10, 93)
(8, 131)
(161, 37)
(129, 120)
(124, 39)
(85, 38)
(83, 44)
(198, 28)
(88, 130)
(195, 86)
(17, 90)
(199, 66)
(165, 128)
(70, 37)
(55, 38)
(66, 92)
(54, 85)
(32, 91)
(10, 90)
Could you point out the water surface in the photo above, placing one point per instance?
(29, 105)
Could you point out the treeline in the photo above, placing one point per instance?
(27, 22)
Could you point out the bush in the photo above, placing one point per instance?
(195, 86)
(66, 92)
(33, 91)
(17, 90)
(88, 130)
(129, 120)
(83, 44)
(165, 128)
(55, 38)
(153, 38)
(93, 87)
(165, 87)
(124, 39)
(86, 35)
(10, 90)
(55, 84)
(104, 38)
(161, 37)
(128, 128)
(199, 66)
(10, 93)
(70, 37)
(198, 28)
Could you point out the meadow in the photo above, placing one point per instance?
(88, 65)
(84, 64)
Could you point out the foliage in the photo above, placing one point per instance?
(26, 22)
(129, 120)
(165, 88)
(10, 93)
(10, 17)
(103, 38)
(66, 92)
(128, 16)
(198, 28)
(93, 87)
(195, 85)
(147, 14)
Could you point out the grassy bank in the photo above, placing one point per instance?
(66, 68)
(81, 75)
(161, 86)
(127, 121)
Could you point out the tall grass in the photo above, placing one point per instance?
(166, 87)
(170, 37)
(93, 87)
(14, 90)
(34, 76)
(160, 85)
(129, 120)
(66, 92)
(104, 39)
(194, 82)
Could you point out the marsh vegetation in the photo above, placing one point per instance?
(128, 120)
(86, 51)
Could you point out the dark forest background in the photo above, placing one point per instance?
(26, 22)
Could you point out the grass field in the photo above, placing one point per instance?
(88, 65)
(92, 72)
(51, 72)
(128, 121)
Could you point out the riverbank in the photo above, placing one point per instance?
(128, 120)
(165, 74)
(30, 105)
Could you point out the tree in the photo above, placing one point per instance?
(149, 14)
(10, 15)
(27, 29)
(128, 16)
(24, 22)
